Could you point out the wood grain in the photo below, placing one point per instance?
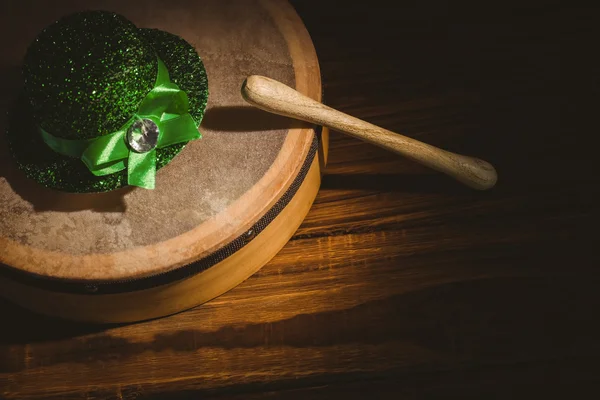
(399, 284)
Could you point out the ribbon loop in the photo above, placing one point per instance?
(105, 149)
(177, 130)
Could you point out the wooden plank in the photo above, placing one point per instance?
(391, 305)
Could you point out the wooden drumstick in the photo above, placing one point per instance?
(275, 97)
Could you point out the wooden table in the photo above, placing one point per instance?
(400, 283)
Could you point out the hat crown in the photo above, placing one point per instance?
(86, 74)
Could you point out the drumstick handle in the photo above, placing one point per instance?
(275, 97)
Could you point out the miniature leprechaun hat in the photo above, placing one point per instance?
(105, 104)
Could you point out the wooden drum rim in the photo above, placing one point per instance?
(122, 286)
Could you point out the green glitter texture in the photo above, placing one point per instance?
(63, 173)
(87, 73)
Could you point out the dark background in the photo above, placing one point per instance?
(415, 286)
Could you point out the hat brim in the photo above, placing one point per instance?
(68, 174)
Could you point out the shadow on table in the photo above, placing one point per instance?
(479, 324)
(21, 326)
(414, 183)
(485, 320)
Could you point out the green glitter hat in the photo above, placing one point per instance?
(105, 104)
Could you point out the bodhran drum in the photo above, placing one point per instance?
(220, 210)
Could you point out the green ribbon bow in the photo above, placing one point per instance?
(166, 105)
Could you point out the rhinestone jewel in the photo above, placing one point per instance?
(142, 135)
